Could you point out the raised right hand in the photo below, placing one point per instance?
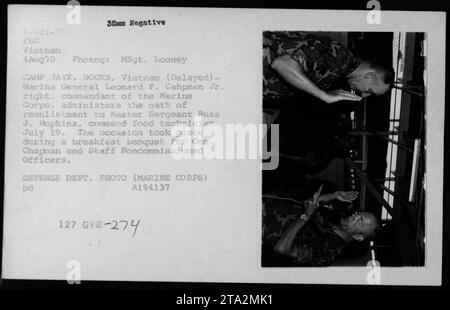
(346, 196)
(340, 95)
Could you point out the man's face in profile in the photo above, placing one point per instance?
(371, 83)
(360, 223)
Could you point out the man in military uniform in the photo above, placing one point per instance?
(297, 61)
(302, 234)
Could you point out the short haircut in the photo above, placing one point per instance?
(385, 69)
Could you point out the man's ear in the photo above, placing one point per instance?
(358, 237)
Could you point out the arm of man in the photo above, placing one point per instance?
(291, 71)
(285, 245)
(347, 196)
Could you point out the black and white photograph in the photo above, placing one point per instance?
(349, 189)
(150, 145)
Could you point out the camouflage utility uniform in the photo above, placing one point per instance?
(317, 243)
(323, 60)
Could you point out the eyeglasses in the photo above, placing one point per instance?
(359, 216)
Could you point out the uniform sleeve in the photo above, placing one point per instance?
(277, 216)
(316, 58)
(324, 60)
(318, 253)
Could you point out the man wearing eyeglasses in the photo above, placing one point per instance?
(304, 235)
